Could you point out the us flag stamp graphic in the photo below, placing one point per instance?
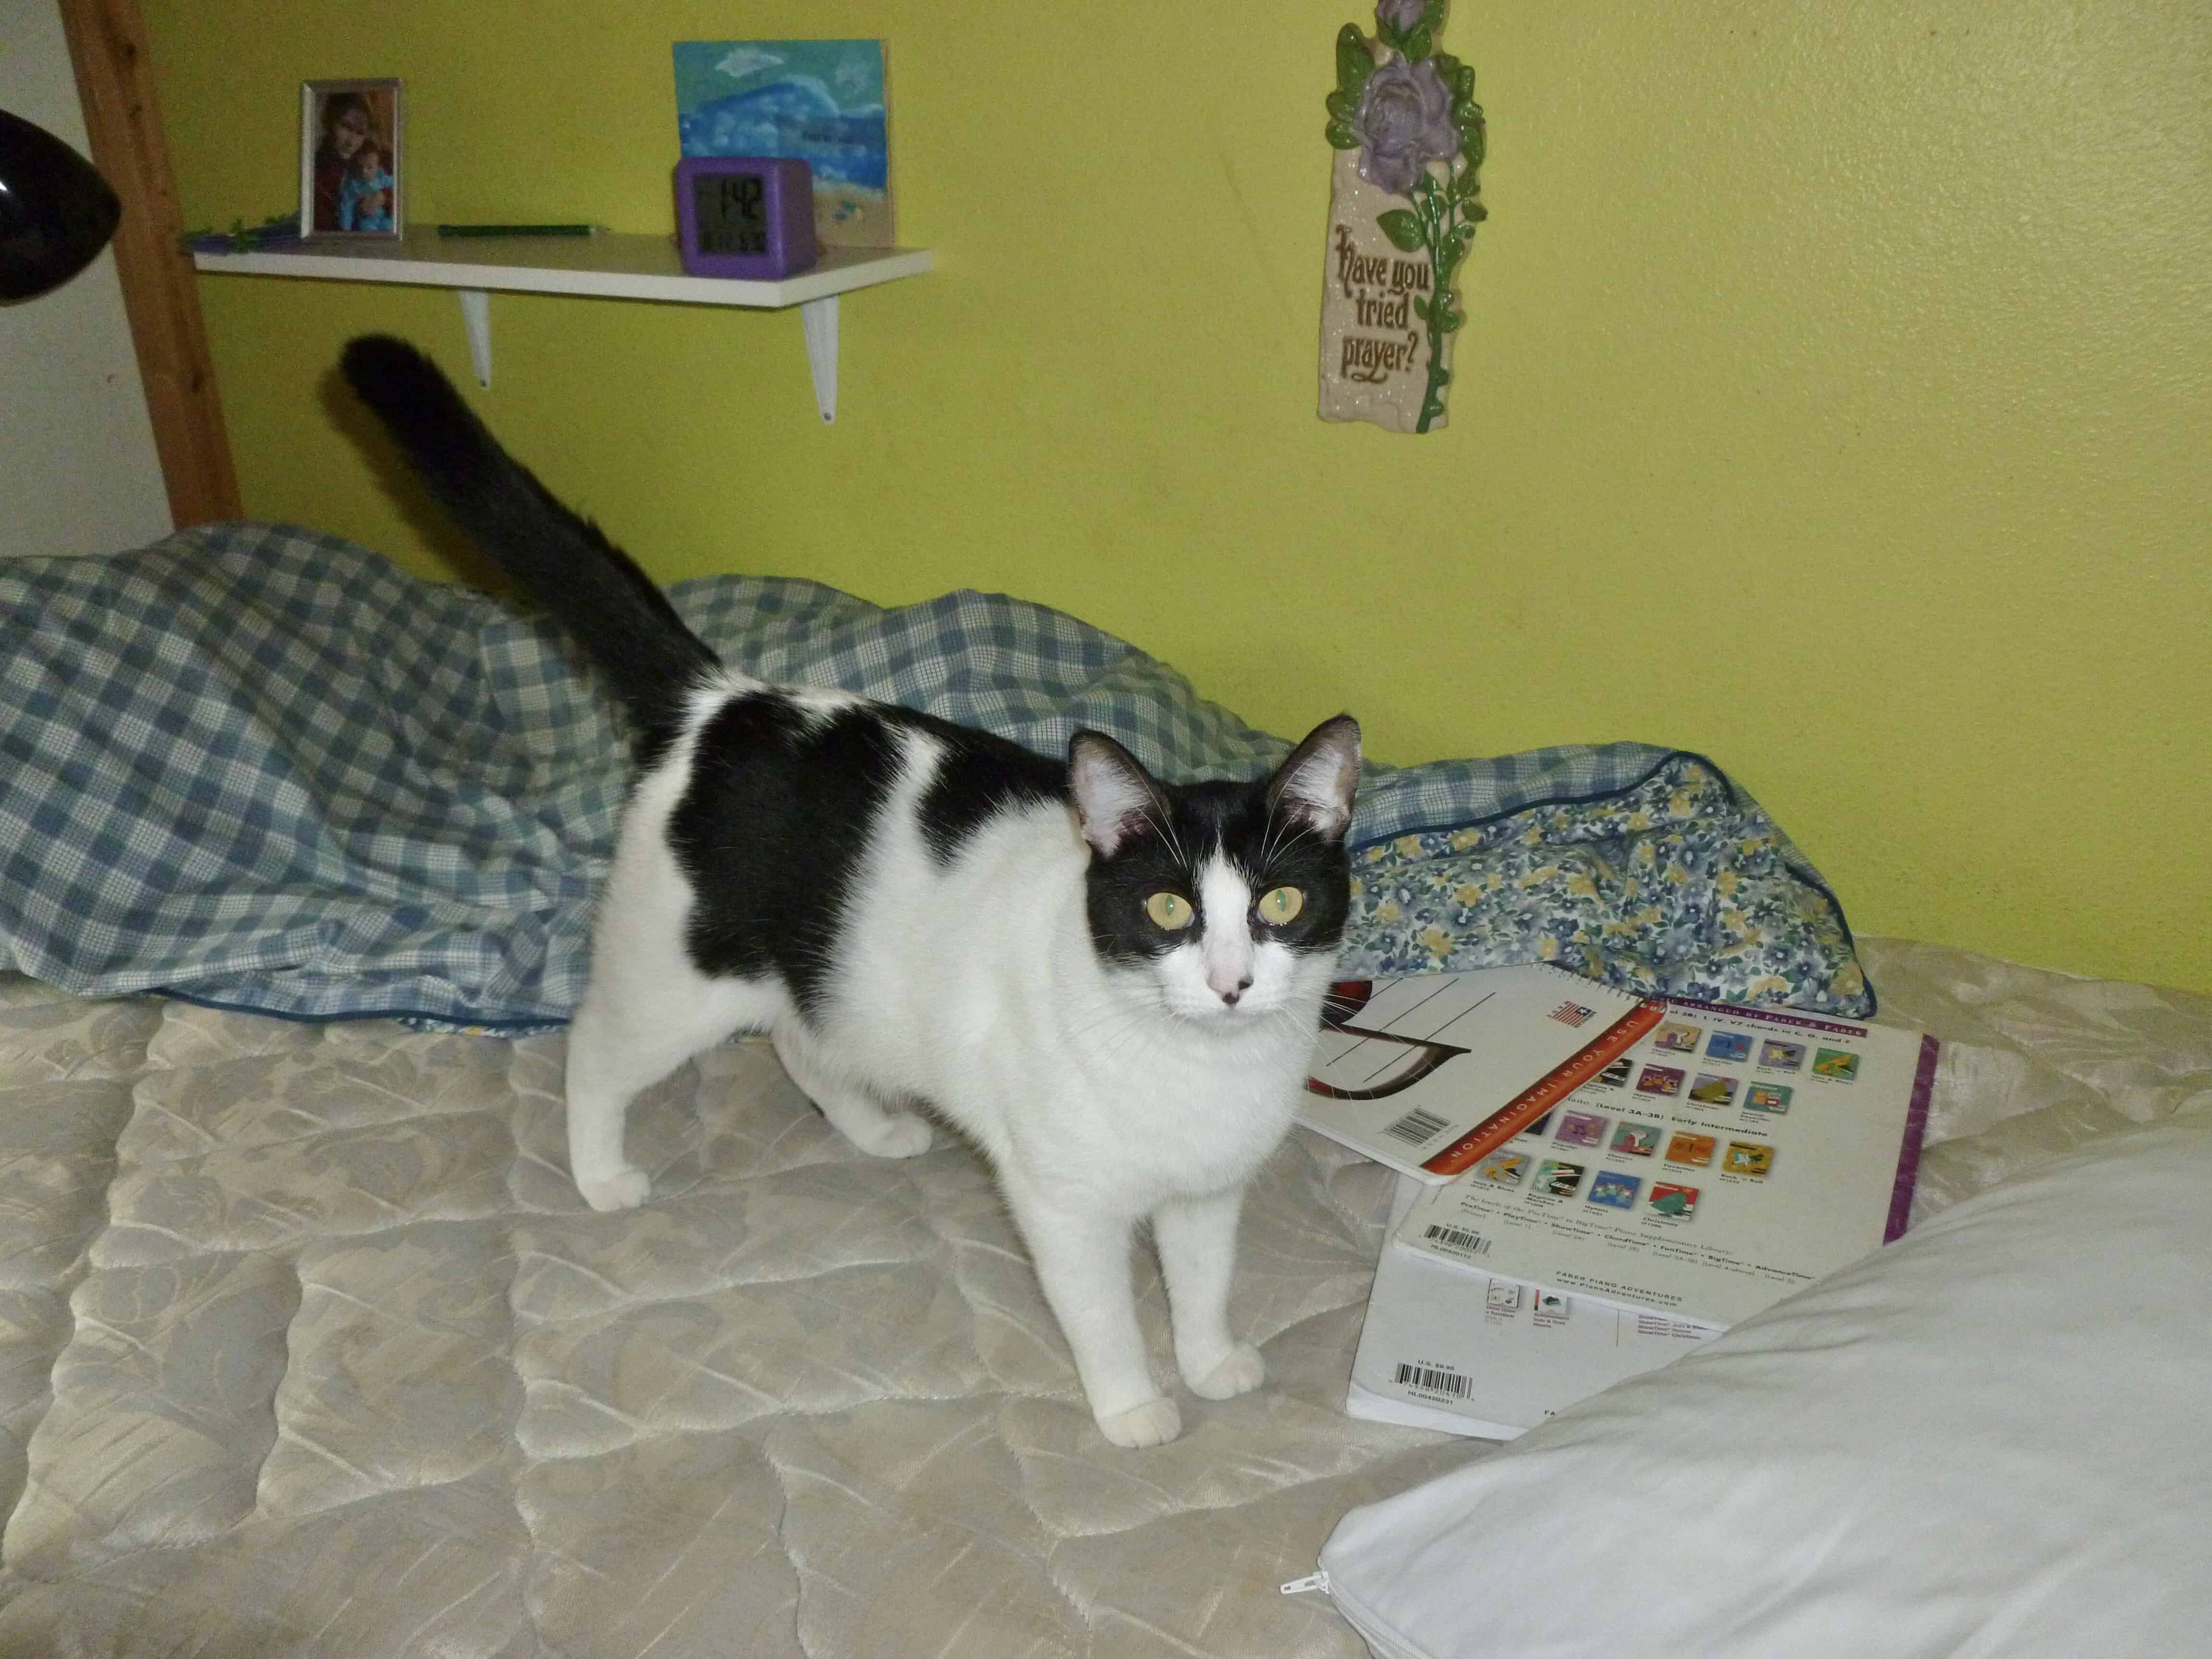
(1572, 1013)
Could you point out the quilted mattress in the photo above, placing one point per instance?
(308, 1346)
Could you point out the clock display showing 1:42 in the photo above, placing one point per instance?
(747, 217)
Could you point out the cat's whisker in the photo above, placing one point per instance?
(1268, 833)
(1300, 831)
(1114, 1021)
(1166, 828)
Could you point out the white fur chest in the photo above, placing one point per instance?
(1174, 1117)
(975, 987)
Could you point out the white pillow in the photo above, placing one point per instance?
(1990, 1438)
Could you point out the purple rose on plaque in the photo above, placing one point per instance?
(1399, 15)
(1404, 124)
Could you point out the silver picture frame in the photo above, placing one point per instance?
(353, 179)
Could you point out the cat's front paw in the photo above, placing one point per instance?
(901, 1134)
(625, 1190)
(1243, 1372)
(1154, 1423)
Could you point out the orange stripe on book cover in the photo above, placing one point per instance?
(1548, 1092)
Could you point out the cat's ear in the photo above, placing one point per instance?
(1317, 784)
(1114, 796)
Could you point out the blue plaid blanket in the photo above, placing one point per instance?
(266, 768)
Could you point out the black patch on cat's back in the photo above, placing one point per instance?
(771, 830)
(781, 808)
(980, 774)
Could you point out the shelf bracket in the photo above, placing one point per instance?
(476, 318)
(819, 318)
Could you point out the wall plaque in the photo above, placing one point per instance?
(1403, 205)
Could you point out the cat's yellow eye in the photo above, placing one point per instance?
(1280, 904)
(1169, 910)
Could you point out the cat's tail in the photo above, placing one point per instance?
(624, 621)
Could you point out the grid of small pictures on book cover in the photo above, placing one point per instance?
(1721, 1072)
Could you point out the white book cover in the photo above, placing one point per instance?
(1406, 1068)
(1446, 1347)
(1731, 1157)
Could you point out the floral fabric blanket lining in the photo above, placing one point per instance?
(266, 768)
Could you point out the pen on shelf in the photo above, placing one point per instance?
(518, 230)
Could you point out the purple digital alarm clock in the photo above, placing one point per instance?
(744, 215)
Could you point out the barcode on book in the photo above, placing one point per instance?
(1433, 1379)
(1416, 1127)
(1459, 1238)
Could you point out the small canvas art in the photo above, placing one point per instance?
(1727, 1045)
(819, 101)
(1676, 1202)
(1615, 1076)
(1677, 1035)
(1781, 1056)
(1770, 1097)
(1660, 1080)
(350, 177)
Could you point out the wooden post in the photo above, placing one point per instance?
(161, 294)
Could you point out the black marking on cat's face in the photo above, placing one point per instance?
(1169, 855)
(1147, 837)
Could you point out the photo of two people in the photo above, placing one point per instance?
(349, 159)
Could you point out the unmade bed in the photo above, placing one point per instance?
(309, 1346)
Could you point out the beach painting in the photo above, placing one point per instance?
(821, 101)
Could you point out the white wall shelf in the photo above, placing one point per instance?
(609, 266)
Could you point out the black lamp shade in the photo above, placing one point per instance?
(55, 212)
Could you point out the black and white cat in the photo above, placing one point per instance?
(1112, 985)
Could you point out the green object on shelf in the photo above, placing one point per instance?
(516, 230)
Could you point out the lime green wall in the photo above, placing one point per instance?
(1833, 400)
